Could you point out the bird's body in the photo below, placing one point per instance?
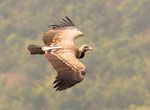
(61, 52)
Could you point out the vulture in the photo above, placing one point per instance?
(62, 53)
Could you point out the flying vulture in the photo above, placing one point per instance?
(62, 53)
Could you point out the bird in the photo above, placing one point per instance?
(62, 53)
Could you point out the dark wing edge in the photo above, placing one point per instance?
(68, 73)
(64, 23)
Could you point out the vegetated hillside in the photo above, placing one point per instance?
(118, 67)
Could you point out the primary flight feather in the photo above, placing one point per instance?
(62, 53)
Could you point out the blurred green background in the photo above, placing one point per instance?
(118, 76)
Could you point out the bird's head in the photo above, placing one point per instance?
(85, 48)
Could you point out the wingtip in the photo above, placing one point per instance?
(64, 23)
(66, 17)
(70, 21)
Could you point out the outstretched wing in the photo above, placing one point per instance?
(70, 70)
(61, 34)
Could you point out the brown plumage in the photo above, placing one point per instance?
(61, 52)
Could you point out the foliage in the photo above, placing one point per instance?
(118, 67)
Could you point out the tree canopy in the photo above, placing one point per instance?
(118, 67)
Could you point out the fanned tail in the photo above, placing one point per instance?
(34, 49)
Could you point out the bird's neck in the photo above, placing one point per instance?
(80, 53)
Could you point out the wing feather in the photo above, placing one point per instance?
(65, 21)
(70, 21)
(70, 70)
(59, 33)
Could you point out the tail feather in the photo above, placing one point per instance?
(34, 49)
